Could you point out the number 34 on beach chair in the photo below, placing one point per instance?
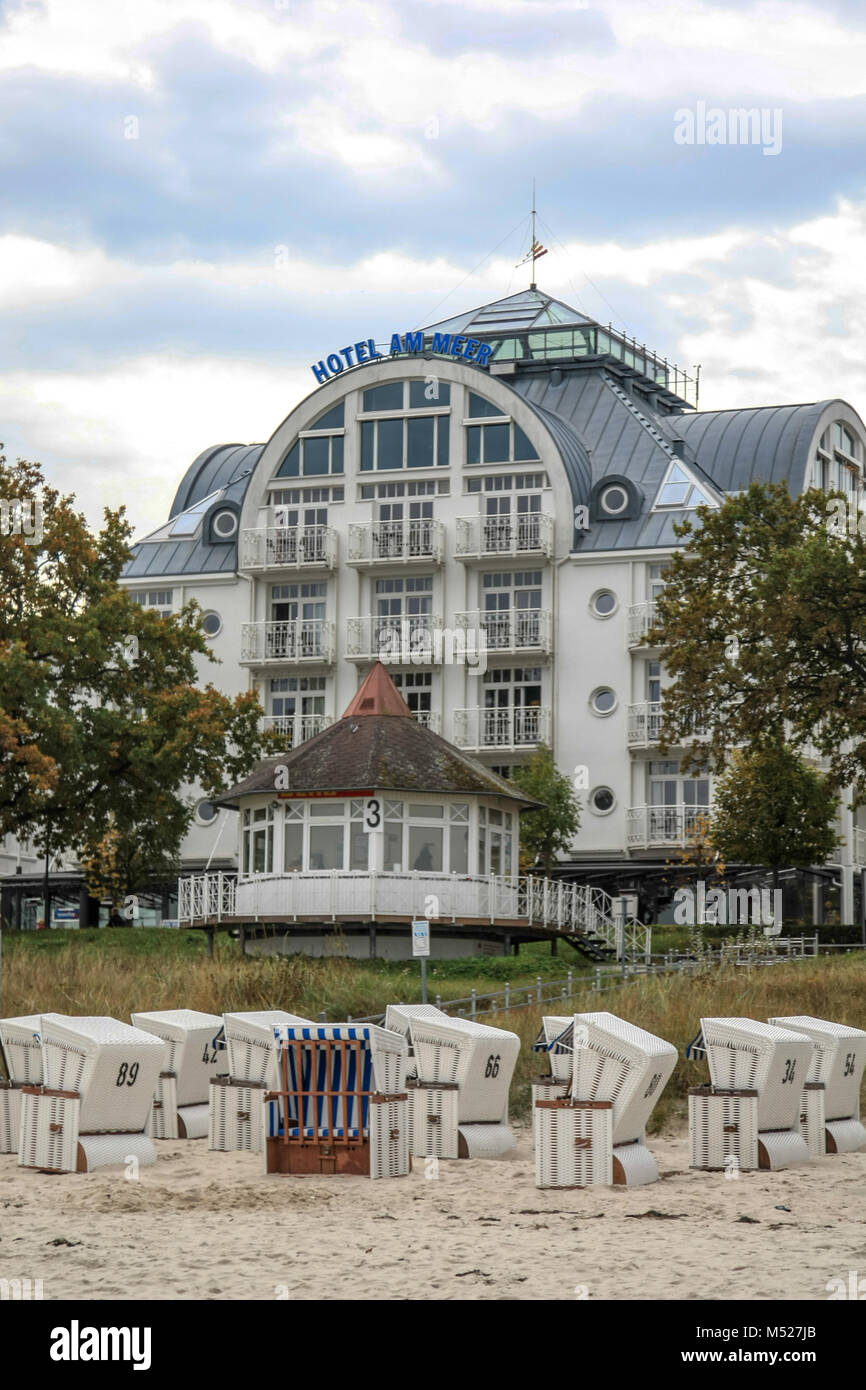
(341, 1103)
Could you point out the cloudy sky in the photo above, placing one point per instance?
(201, 197)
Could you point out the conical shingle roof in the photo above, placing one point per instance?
(377, 746)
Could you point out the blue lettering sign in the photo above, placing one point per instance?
(396, 345)
(444, 344)
(414, 342)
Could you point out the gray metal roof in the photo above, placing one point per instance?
(218, 476)
(214, 468)
(768, 443)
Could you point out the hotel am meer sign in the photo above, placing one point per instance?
(454, 345)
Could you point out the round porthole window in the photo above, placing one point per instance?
(603, 700)
(225, 524)
(212, 623)
(602, 800)
(205, 812)
(613, 499)
(603, 603)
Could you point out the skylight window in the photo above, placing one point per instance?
(679, 489)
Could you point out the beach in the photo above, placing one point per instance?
(201, 1225)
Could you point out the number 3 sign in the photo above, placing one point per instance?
(372, 815)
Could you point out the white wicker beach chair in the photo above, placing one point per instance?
(99, 1077)
(749, 1115)
(235, 1114)
(830, 1119)
(22, 1049)
(341, 1105)
(471, 1122)
(597, 1133)
(180, 1106)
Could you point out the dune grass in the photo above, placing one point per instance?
(115, 974)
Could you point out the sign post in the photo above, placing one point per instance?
(421, 948)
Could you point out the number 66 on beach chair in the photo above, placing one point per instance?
(22, 1050)
(99, 1077)
(340, 1106)
(749, 1115)
(596, 1134)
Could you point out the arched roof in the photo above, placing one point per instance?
(214, 468)
(768, 443)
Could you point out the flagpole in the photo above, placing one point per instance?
(532, 284)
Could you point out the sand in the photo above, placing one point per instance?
(202, 1225)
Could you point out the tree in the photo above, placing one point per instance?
(547, 832)
(762, 625)
(103, 725)
(772, 809)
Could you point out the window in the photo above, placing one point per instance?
(511, 604)
(652, 676)
(602, 801)
(677, 800)
(458, 839)
(603, 603)
(429, 392)
(160, 600)
(500, 443)
(297, 622)
(212, 623)
(206, 812)
(413, 442)
(613, 499)
(679, 489)
(302, 696)
(335, 418)
(416, 687)
(508, 482)
(603, 700)
(225, 524)
(258, 840)
(294, 496)
(512, 699)
(313, 457)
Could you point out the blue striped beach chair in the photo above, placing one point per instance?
(341, 1103)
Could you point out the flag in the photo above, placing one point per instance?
(533, 254)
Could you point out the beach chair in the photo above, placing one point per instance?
(92, 1108)
(596, 1133)
(830, 1117)
(180, 1105)
(341, 1102)
(459, 1094)
(22, 1054)
(749, 1115)
(235, 1115)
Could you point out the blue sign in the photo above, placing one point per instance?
(454, 345)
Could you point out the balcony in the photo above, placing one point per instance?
(396, 543)
(641, 617)
(479, 537)
(289, 548)
(295, 728)
(507, 730)
(305, 640)
(511, 631)
(396, 641)
(649, 826)
(858, 847)
(645, 722)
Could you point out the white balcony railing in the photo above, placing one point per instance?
(517, 534)
(384, 542)
(396, 641)
(645, 722)
(288, 547)
(641, 617)
(296, 639)
(512, 631)
(858, 847)
(508, 729)
(295, 728)
(664, 825)
(368, 895)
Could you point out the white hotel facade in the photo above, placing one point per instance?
(519, 477)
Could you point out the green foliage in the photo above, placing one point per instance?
(762, 625)
(103, 724)
(547, 832)
(774, 810)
